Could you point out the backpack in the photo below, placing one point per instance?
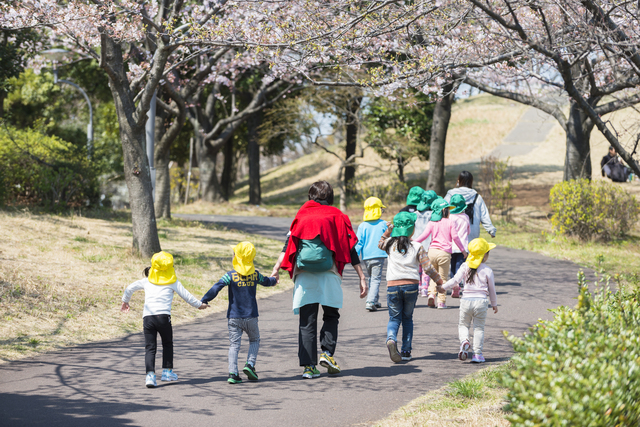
(314, 256)
(469, 209)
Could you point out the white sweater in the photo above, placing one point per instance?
(158, 299)
(404, 266)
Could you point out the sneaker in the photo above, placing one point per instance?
(431, 300)
(464, 348)
(151, 380)
(377, 305)
(442, 305)
(477, 358)
(393, 351)
(310, 372)
(168, 375)
(250, 372)
(455, 293)
(329, 363)
(424, 293)
(405, 355)
(370, 306)
(234, 378)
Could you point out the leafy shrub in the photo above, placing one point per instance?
(497, 192)
(582, 367)
(587, 209)
(43, 170)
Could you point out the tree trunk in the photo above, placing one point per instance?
(253, 153)
(207, 166)
(351, 136)
(227, 180)
(441, 117)
(400, 163)
(577, 162)
(136, 166)
(162, 204)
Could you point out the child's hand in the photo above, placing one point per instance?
(276, 273)
(125, 307)
(495, 310)
(203, 306)
(389, 225)
(440, 289)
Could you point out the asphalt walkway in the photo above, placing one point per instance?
(102, 384)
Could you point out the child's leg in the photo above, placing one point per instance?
(466, 315)
(235, 338)
(166, 335)
(479, 319)
(150, 342)
(374, 266)
(433, 257)
(395, 304)
(251, 327)
(409, 297)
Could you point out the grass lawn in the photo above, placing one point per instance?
(62, 277)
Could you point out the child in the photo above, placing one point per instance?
(242, 313)
(479, 284)
(369, 233)
(159, 287)
(413, 199)
(405, 258)
(461, 221)
(424, 215)
(444, 234)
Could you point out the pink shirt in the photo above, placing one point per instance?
(482, 286)
(461, 221)
(444, 234)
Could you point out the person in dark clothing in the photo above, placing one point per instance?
(611, 166)
(413, 199)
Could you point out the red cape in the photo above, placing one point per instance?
(333, 227)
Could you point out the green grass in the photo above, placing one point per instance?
(83, 239)
(472, 388)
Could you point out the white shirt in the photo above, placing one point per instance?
(482, 286)
(157, 298)
(404, 267)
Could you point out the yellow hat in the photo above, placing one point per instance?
(373, 209)
(161, 271)
(243, 261)
(477, 248)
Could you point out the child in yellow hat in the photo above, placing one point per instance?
(373, 258)
(242, 313)
(478, 285)
(159, 286)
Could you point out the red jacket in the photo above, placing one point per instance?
(333, 227)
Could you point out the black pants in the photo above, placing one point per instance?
(456, 262)
(308, 332)
(154, 325)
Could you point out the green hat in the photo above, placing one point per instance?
(404, 224)
(459, 203)
(437, 207)
(414, 196)
(427, 198)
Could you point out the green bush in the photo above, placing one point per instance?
(582, 367)
(43, 170)
(593, 209)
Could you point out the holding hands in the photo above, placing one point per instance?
(203, 306)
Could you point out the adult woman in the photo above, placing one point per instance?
(321, 242)
(464, 187)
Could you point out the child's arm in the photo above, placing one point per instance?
(126, 297)
(425, 263)
(213, 292)
(426, 233)
(382, 243)
(190, 299)
(361, 238)
(492, 291)
(456, 239)
(267, 281)
(457, 278)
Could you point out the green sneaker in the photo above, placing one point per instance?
(310, 372)
(234, 378)
(250, 372)
(329, 363)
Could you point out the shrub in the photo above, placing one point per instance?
(582, 367)
(497, 192)
(587, 209)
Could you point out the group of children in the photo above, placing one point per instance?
(416, 265)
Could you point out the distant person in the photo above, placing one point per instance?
(321, 242)
(242, 314)
(476, 208)
(373, 258)
(159, 285)
(461, 221)
(405, 258)
(413, 199)
(612, 167)
(478, 285)
(424, 215)
(443, 235)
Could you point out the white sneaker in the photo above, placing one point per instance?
(151, 380)
(168, 375)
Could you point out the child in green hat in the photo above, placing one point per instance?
(403, 275)
(424, 215)
(413, 199)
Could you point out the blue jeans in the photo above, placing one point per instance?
(374, 267)
(401, 301)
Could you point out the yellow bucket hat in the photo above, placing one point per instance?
(477, 248)
(243, 261)
(161, 271)
(373, 209)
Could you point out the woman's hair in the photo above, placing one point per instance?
(403, 243)
(465, 179)
(146, 271)
(321, 191)
(470, 275)
(445, 213)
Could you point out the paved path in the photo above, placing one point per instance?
(101, 384)
(531, 130)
